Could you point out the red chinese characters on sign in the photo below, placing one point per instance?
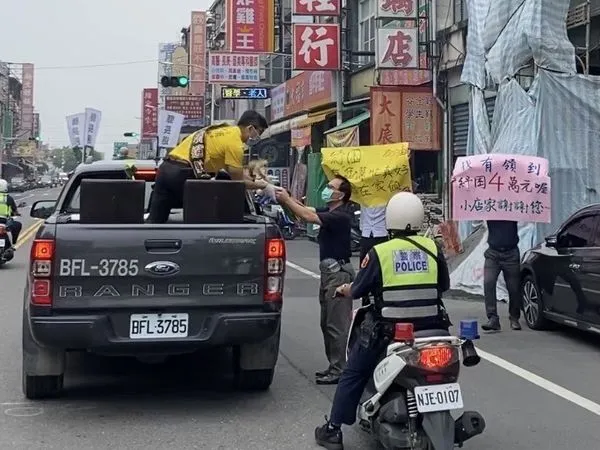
(397, 48)
(198, 69)
(308, 90)
(27, 101)
(316, 47)
(316, 7)
(192, 107)
(397, 8)
(385, 116)
(149, 112)
(251, 26)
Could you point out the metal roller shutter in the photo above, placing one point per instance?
(460, 125)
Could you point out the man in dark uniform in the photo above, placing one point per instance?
(407, 276)
(503, 256)
(335, 252)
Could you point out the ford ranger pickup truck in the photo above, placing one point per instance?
(149, 290)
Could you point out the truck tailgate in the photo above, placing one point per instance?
(158, 267)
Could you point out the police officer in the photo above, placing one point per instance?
(406, 275)
(8, 208)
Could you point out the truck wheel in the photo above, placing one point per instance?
(43, 368)
(254, 380)
(40, 387)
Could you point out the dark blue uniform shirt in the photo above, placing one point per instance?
(334, 234)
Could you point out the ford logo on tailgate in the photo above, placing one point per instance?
(162, 268)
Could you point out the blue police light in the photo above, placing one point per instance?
(469, 329)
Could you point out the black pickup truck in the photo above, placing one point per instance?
(148, 290)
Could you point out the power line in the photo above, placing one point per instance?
(91, 66)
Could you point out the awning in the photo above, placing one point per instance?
(283, 126)
(316, 117)
(351, 122)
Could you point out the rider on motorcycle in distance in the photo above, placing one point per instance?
(8, 208)
(406, 276)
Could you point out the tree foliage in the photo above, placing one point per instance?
(67, 158)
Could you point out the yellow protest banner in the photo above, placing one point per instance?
(376, 172)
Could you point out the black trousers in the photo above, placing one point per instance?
(168, 190)
(367, 243)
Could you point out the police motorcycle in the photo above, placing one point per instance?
(7, 251)
(408, 402)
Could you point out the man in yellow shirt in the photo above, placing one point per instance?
(222, 149)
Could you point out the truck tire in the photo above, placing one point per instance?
(41, 387)
(43, 369)
(254, 380)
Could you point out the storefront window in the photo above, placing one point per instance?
(425, 168)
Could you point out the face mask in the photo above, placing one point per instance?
(252, 140)
(327, 195)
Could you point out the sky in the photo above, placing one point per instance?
(58, 33)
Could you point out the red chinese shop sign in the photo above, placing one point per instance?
(191, 106)
(400, 114)
(149, 112)
(251, 26)
(316, 47)
(308, 90)
(316, 7)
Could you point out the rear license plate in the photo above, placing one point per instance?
(2, 243)
(158, 326)
(439, 397)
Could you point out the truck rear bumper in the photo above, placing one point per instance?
(100, 333)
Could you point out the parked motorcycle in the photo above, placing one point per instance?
(408, 402)
(279, 215)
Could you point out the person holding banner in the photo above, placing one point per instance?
(503, 256)
(205, 153)
(336, 268)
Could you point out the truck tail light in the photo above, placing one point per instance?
(42, 256)
(274, 270)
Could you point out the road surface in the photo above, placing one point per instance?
(536, 390)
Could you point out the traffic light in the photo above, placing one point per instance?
(181, 81)
(130, 134)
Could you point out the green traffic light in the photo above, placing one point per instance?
(183, 81)
(130, 134)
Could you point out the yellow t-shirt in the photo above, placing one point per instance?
(223, 147)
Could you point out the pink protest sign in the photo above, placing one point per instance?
(501, 187)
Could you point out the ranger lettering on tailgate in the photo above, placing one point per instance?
(104, 268)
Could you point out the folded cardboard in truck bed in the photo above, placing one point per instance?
(112, 201)
(214, 201)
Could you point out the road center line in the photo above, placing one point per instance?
(541, 382)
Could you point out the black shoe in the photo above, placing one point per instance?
(515, 325)
(329, 437)
(322, 373)
(491, 325)
(330, 378)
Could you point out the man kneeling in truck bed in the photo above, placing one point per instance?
(118, 286)
(205, 152)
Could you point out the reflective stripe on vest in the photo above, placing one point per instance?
(4, 208)
(410, 278)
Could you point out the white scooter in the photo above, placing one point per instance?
(407, 403)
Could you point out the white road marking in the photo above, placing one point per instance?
(24, 411)
(541, 382)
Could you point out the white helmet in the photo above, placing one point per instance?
(404, 212)
(3, 186)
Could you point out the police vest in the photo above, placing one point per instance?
(410, 279)
(4, 208)
(197, 154)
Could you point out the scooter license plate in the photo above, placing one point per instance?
(2, 243)
(438, 397)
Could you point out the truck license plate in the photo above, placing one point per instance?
(439, 397)
(158, 326)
